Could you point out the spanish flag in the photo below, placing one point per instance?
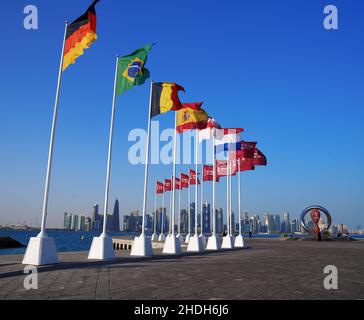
(190, 117)
(165, 97)
(81, 33)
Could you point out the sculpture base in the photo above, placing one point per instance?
(195, 244)
(154, 237)
(161, 237)
(172, 245)
(41, 250)
(101, 248)
(213, 243)
(187, 239)
(227, 242)
(180, 237)
(239, 242)
(142, 247)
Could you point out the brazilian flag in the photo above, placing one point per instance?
(131, 71)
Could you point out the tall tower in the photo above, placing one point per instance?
(115, 221)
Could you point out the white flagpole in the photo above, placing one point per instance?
(227, 198)
(174, 175)
(37, 253)
(155, 212)
(179, 207)
(102, 247)
(189, 205)
(163, 204)
(239, 196)
(170, 209)
(196, 186)
(230, 205)
(201, 212)
(147, 160)
(142, 246)
(214, 187)
(51, 143)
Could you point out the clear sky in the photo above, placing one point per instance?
(267, 66)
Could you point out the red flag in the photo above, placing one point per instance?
(193, 105)
(208, 173)
(193, 177)
(237, 157)
(212, 123)
(259, 158)
(177, 183)
(167, 185)
(159, 187)
(222, 168)
(248, 149)
(184, 180)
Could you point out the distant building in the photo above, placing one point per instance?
(206, 218)
(114, 220)
(67, 221)
(220, 221)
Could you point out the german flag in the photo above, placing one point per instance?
(165, 97)
(81, 33)
(191, 116)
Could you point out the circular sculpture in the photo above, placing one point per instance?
(315, 216)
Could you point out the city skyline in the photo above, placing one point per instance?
(290, 92)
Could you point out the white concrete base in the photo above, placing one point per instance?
(213, 243)
(239, 242)
(195, 244)
(101, 248)
(180, 237)
(227, 242)
(172, 245)
(41, 250)
(154, 237)
(161, 237)
(142, 247)
(187, 239)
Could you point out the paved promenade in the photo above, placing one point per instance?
(269, 269)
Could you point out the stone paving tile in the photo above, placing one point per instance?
(270, 269)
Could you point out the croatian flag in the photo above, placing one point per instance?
(230, 140)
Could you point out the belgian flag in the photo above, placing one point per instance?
(80, 34)
(165, 97)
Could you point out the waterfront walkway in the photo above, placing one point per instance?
(269, 269)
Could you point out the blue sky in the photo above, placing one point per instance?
(267, 66)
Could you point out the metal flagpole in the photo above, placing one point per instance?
(107, 187)
(142, 245)
(227, 198)
(51, 143)
(102, 247)
(147, 160)
(174, 175)
(155, 212)
(41, 249)
(179, 207)
(163, 204)
(230, 205)
(201, 212)
(196, 180)
(214, 188)
(239, 196)
(189, 205)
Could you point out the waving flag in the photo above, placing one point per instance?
(80, 34)
(159, 187)
(184, 180)
(222, 168)
(165, 97)
(177, 183)
(207, 134)
(229, 141)
(190, 117)
(208, 173)
(259, 158)
(248, 149)
(192, 179)
(131, 71)
(167, 185)
(238, 160)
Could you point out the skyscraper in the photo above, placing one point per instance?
(95, 219)
(220, 221)
(206, 217)
(115, 218)
(287, 222)
(67, 220)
